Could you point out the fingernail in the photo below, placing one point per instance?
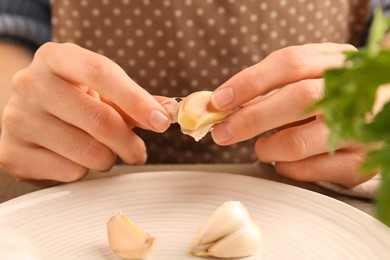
(159, 121)
(223, 97)
(224, 133)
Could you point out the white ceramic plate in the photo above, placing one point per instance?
(69, 221)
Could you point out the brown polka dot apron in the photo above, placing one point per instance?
(173, 48)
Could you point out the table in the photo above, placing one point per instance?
(10, 188)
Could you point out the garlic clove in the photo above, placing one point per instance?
(196, 116)
(243, 242)
(126, 239)
(226, 219)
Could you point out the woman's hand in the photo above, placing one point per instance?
(275, 95)
(72, 110)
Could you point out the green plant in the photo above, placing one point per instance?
(348, 102)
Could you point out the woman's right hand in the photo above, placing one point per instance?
(72, 110)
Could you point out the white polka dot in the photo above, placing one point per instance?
(150, 43)
(139, 32)
(178, 13)
(221, 10)
(152, 63)
(202, 53)
(222, 31)
(130, 42)
(254, 38)
(171, 44)
(95, 12)
(233, 20)
(282, 22)
(212, 42)
(243, 8)
(98, 33)
(159, 33)
(118, 32)
(213, 62)
(211, 21)
(274, 34)
(273, 14)
(199, 11)
(141, 53)
(292, 11)
(179, 34)
(204, 73)
(161, 53)
(131, 62)
(253, 18)
(162, 73)
(137, 12)
(224, 71)
(168, 24)
(181, 54)
(116, 11)
(157, 12)
(191, 43)
(263, 6)
(172, 64)
(233, 41)
(193, 63)
(244, 29)
(148, 22)
(142, 73)
(107, 21)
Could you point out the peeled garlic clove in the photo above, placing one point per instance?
(245, 241)
(196, 116)
(126, 239)
(224, 220)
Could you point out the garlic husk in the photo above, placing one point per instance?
(126, 239)
(228, 232)
(194, 113)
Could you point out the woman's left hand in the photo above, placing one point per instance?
(274, 96)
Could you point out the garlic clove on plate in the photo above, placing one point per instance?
(228, 232)
(245, 241)
(126, 239)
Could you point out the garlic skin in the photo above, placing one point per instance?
(195, 114)
(126, 239)
(229, 232)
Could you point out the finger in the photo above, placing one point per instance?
(38, 163)
(296, 143)
(342, 167)
(287, 105)
(96, 118)
(81, 66)
(278, 69)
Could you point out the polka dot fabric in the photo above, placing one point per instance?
(173, 48)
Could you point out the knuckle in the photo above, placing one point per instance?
(97, 156)
(298, 146)
(12, 118)
(309, 92)
(98, 66)
(22, 80)
(46, 50)
(102, 120)
(295, 56)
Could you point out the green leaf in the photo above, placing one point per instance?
(348, 100)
